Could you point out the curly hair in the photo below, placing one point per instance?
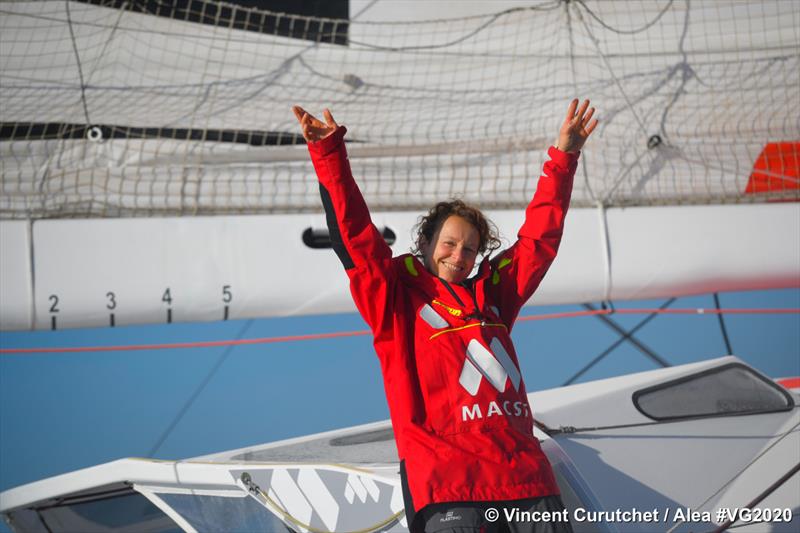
(429, 224)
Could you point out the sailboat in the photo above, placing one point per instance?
(145, 147)
(685, 448)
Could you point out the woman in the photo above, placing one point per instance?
(459, 408)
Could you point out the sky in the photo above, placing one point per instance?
(62, 412)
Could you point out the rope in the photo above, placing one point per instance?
(461, 39)
(626, 32)
(616, 343)
(358, 333)
(737, 475)
(570, 430)
(254, 489)
(722, 326)
(769, 490)
(185, 409)
(78, 62)
(611, 71)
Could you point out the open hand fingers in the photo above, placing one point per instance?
(578, 118)
(313, 129)
(329, 118)
(578, 125)
(590, 127)
(587, 118)
(573, 105)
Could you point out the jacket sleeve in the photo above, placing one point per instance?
(518, 270)
(355, 239)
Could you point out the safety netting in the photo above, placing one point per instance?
(113, 108)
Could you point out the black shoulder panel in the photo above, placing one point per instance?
(333, 229)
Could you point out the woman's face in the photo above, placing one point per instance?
(453, 251)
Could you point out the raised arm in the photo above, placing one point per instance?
(357, 242)
(518, 270)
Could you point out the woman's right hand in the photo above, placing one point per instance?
(313, 128)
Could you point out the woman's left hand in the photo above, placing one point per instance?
(576, 128)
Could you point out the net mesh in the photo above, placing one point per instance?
(140, 109)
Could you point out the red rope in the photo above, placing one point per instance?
(688, 311)
(315, 336)
(170, 346)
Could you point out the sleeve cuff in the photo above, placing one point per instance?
(562, 159)
(328, 144)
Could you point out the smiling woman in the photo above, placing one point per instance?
(442, 334)
(452, 235)
(452, 252)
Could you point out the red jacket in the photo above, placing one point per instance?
(459, 409)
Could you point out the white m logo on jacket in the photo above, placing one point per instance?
(496, 367)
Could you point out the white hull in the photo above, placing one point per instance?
(78, 273)
(348, 480)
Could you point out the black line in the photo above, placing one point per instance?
(103, 495)
(169, 316)
(53, 322)
(316, 21)
(226, 313)
(77, 62)
(769, 490)
(616, 343)
(65, 130)
(627, 336)
(197, 392)
(43, 519)
(570, 430)
(453, 293)
(722, 326)
(111, 320)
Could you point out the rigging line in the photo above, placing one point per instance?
(687, 73)
(638, 344)
(461, 39)
(63, 127)
(179, 416)
(108, 41)
(737, 474)
(615, 344)
(621, 177)
(287, 515)
(586, 182)
(776, 48)
(78, 61)
(364, 9)
(626, 32)
(722, 326)
(570, 430)
(750, 524)
(179, 345)
(611, 71)
(358, 333)
(769, 490)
